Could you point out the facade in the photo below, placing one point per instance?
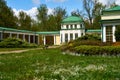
(71, 28)
(110, 20)
(25, 35)
(40, 38)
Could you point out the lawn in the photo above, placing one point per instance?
(51, 64)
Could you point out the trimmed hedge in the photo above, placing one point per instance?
(97, 50)
(16, 43)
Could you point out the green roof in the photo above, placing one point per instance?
(72, 19)
(49, 32)
(15, 30)
(116, 8)
(94, 30)
(26, 31)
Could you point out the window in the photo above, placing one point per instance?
(109, 33)
(76, 35)
(66, 37)
(71, 36)
(81, 34)
(81, 26)
(67, 26)
(71, 26)
(75, 26)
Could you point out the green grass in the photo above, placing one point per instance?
(51, 64)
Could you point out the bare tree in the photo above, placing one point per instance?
(88, 7)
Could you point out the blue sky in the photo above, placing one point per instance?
(69, 5)
(30, 6)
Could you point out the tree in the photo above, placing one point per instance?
(52, 23)
(88, 7)
(59, 14)
(76, 13)
(24, 21)
(42, 16)
(7, 18)
(93, 12)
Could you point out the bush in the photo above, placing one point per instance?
(90, 37)
(15, 43)
(97, 50)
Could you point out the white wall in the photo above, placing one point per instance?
(63, 32)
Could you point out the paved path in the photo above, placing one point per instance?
(20, 51)
(17, 51)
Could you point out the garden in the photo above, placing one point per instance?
(91, 45)
(90, 60)
(52, 64)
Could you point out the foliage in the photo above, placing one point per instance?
(7, 18)
(15, 43)
(92, 42)
(76, 13)
(59, 13)
(97, 50)
(92, 13)
(51, 64)
(89, 37)
(42, 16)
(24, 21)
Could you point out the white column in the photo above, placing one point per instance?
(54, 39)
(73, 26)
(10, 35)
(44, 40)
(68, 26)
(63, 37)
(68, 37)
(113, 31)
(79, 33)
(104, 33)
(73, 36)
(29, 39)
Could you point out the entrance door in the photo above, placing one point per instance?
(50, 40)
(109, 34)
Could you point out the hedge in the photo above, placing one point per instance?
(97, 50)
(16, 43)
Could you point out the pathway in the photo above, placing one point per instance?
(20, 51)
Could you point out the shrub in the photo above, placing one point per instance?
(90, 37)
(15, 43)
(97, 50)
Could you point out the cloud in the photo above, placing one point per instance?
(56, 0)
(109, 1)
(32, 12)
(36, 2)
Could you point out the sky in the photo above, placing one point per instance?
(30, 6)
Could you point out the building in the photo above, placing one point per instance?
(71, 28)
(110, 20)
(41, 38)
